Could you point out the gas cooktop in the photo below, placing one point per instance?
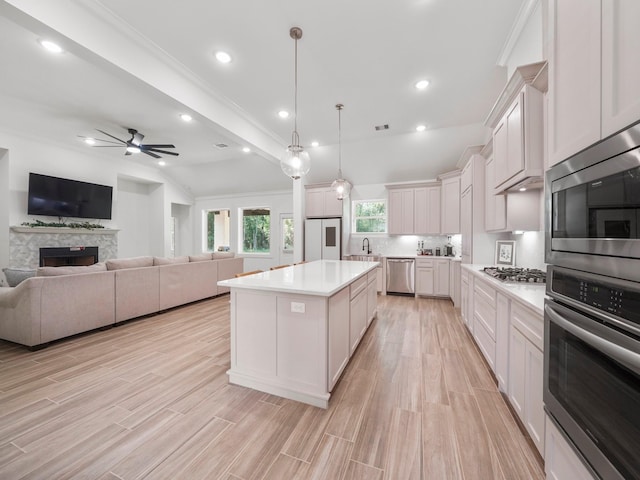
(531, 275)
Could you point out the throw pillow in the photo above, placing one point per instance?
(16, 275)
(71, 270)
(200, 258)
(133, 262)
(169, 261)
(219, 255)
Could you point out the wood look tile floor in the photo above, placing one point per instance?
(150, 399)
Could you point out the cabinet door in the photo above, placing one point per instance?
(450, 218)
(420, 210)
(514, 119)
(495, 205)
(332, 206)
(424, 281)
(379, 279)
(314, 203)
(357, 319)
(502, 342)
(534, 405)
(574, 76)
(620, 64)
(372, 301)
(338, 347)
(464, 297)
(499, 153)
(517, 369)
(442, 278)
(433, 210)
(401, 211)
(466, 224)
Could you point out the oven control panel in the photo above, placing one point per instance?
(616, 298)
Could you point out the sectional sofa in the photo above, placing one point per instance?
(63, 301)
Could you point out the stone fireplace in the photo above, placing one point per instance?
(68, 256)
(25, 243)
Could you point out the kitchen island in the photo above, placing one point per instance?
(294, 329)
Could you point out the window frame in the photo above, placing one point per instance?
(241, 217)
(354, 218)
(205, 228)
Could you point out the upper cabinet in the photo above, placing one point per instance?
(518, 131)
(414, 210)
(321, 201)
(450, 205)
(593, 72)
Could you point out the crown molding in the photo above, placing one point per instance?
(526, 10)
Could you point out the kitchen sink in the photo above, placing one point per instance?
(363, 258)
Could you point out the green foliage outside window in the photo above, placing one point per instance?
(256, 228)
(211, 222)
(287, 234)
(369, 216)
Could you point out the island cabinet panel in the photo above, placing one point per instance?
(372, 296)
(257, 321)
(358, 323)
(339, 351)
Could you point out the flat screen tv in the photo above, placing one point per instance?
(61, 197)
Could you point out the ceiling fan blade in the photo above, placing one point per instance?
(106, 146)
(151, 153)
(157, 145)
(109, 135)
(175, 154)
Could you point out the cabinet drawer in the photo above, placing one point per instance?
(372, 276)
(485, 291)
(484, 313)
(424, 263)
(530, 324)
(358, 286)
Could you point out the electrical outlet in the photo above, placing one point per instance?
(297, 307)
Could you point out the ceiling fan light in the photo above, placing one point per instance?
(223, 57)
(295, 162)
(186, 117)
(246, 149)
(422, 84)
(90, 141)
(132, 149)
(50, 46)
(162, 163)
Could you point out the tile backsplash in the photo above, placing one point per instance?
(401, 244)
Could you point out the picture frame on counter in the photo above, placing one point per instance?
(505, 253)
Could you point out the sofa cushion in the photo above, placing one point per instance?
(70, 270)
(133, 262)
(200, 258)
(218, 255)
(169, 261)
(16, 275)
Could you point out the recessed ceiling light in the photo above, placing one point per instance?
(133, 149)
(162, 163)
(422, 84)
(89, 141)
(223, 57)
(523, 189)
(283, 114)
(421, 128)
(246, 149)
(186, 117)
(50, 46)
(314, 144)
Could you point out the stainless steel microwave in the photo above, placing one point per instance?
(592, 208)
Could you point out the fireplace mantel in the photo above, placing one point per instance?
(78, 231)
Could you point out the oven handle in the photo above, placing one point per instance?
(626, 357)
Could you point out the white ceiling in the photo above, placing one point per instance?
(140, 64)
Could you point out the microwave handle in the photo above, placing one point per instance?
(626, 357)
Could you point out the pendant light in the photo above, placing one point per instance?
(295, 161)
(341, 186)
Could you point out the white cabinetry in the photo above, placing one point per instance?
(526, 371)
(358, 312)
(472, 208)
(414, 210)
(338, 341)
(593, 71)
(450, 218)
(466, 224)
(502, 341)
(401, 211)
(454, 282)
(424, 276)
(441, 278)
(466, 298)
(372, 296)
(484, 320)
(560, 460)
(321, 201)
(427, 210)
(495, 205)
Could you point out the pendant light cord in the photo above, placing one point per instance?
(295, 139)
(340, 141)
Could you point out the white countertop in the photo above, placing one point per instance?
(529, 294)
(439, 257)
(322, 277)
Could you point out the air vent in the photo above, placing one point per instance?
(382, 127)
(221, 145)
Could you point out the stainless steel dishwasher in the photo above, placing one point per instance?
(401, 275)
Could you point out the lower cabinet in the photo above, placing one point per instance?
(372, 296)
(339, 342)
(424, 276)
(526, 371)
(357, 313)
(502, 341)
(484, 320)
(464, 297)
(560, 460)
(441, 278)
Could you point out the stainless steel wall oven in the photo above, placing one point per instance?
(592, 313)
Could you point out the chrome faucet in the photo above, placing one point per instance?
(368, 249)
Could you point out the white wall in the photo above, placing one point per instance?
(529, 45)
(4, 211)
(277, 202)
(32, 154)
(133, 212)
(184, 228)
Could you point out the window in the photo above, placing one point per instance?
(216, 230)
(256, 230)
(369, 216)
(287, 232)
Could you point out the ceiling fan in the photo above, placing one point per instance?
(135, 145)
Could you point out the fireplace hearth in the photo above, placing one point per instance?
(68, 256)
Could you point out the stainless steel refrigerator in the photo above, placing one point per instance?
(322, 239)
